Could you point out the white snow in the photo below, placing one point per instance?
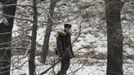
(90, 37)
(82, 69)
(76, 68)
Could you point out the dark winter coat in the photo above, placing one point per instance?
(64, 46)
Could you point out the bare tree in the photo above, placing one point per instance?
(6, 25)
(45, 47)
(33, 41)
(114, 37)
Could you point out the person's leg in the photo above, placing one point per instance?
(65, 63)
(60, 72)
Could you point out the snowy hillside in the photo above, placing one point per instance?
(91, 47)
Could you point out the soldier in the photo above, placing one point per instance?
(64, 48)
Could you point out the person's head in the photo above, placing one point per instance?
(67, 27)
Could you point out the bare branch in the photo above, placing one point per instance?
(15, 17)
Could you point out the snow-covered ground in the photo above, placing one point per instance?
(88, 67)
(91, 39)
(75, 68)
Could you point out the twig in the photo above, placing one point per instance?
(15, 17)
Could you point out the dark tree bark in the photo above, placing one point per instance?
(33, 41)
(45, 47)
(114, 37)
(6, 26)
(3, 1)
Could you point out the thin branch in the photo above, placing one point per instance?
(22, 5)
(15, 17)
(7, 5)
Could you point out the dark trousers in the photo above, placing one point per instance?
(65, 63)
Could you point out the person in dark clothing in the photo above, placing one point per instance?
(64, 48)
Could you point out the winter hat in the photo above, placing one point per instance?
(67, 25)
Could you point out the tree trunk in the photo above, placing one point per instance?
(33, 41)
(114, 37)
(45, 47)
(6, 25)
